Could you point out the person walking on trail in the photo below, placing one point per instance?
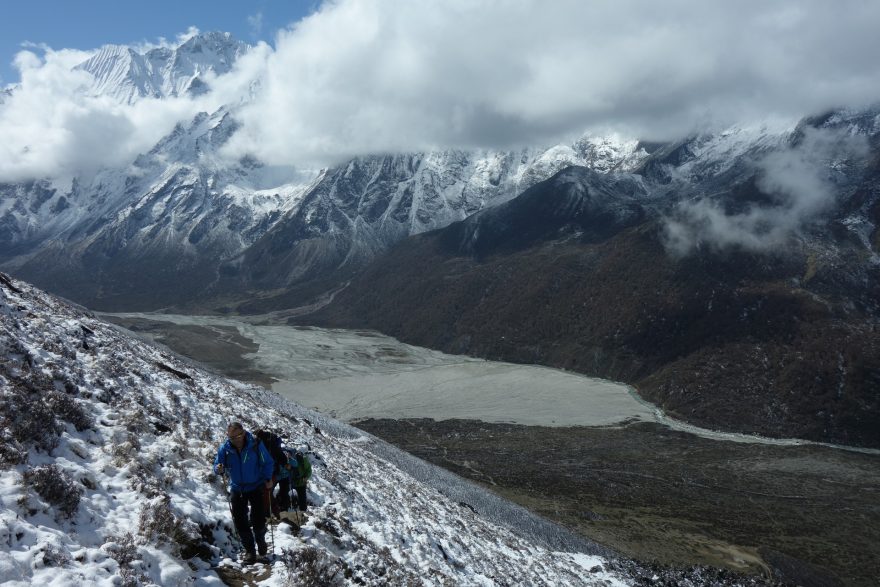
(249, 467)
(300, 470)
(272, 442)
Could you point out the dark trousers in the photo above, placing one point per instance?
(240, 503)
(301, 498)
(282, 501)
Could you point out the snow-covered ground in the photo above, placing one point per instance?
(105, 454)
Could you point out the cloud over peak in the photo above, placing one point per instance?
(368, 76)
(385, 75)
(797, 183)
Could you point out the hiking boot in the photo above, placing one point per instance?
(262, 548)
(249, 558)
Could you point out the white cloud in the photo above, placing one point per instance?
(384, 75)
(255, 23)
(50, 128)
(162, 42)
(367, 76)
(799, 183)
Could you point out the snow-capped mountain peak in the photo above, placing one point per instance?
(128, 75)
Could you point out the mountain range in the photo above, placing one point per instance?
(731, 276)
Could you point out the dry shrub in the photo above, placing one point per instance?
(158, 523)
(311, 566)
(144, 478)
(29, 420)
(56, 487)
(69, 410)
(31, 410)
(11, 451)
(52, 556)
(124, 550)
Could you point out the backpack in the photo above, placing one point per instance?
(272, 442)
(301, 469)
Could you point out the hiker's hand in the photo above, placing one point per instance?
(269, 484)
(220, 468)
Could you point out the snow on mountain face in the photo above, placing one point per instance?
(610, 153)
(182, 201)
(126, 75)
(413, 193)
(179, 206)
(360, 209)
(189, 218)
(577, 202)
(107, 449)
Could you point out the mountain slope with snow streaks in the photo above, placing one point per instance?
(107, 445)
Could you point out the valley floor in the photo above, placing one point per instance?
(802, 511)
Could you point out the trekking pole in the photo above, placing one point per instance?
(231, 513)
(271, 527)
(291, 491)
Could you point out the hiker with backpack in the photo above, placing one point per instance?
(300, 470)
(249, 467)
(273, 444)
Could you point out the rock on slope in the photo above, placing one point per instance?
(106, 449)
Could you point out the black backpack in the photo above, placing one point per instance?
(272, 442)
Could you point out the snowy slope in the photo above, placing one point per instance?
(128, 75)
(106, 450)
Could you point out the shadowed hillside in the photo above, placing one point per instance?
(783, 344)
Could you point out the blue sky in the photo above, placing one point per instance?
(87, 24)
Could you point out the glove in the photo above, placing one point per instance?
(219, 468)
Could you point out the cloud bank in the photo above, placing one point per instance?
(364, 76)
(49, 127)
(800, 184)
(368, 76)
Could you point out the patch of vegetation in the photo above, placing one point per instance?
(312, 567)
(659, 495)
(158, 523)
(124, 550)
(56, 487)
(29, 420)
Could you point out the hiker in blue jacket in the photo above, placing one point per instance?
(249, 466)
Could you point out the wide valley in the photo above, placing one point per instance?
(586, 453)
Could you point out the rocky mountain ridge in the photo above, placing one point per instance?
(182, 222)
(129, 75)
(580, 272)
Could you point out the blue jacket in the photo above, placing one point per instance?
(247, 470)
